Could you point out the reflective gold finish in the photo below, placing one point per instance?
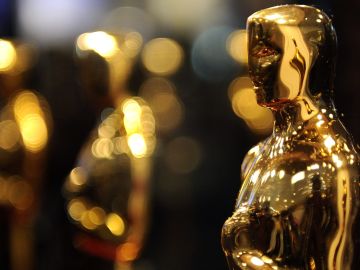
(298, 207)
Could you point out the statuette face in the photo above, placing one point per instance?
(289, 48)
(298, 207)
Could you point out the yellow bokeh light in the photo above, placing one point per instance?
(76, 208)
(97, 216)
(100, 42)
(115, 224)
(244, 104)
(30, 118)
(86, 222)
(26, 103)
(78, 176)
(9, 135)
(20, 194)
(132, 44)
(162, 56)
(137, 145)
(139, 124)
(237, 46)
(34, 132)
(106, 131)
(8, 55)
(102, 148)
(132, 116)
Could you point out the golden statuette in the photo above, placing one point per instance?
(298, 207)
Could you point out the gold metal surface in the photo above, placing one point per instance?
(298, 207)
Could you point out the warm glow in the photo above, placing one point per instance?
(86, 222)
(139, 124)
(244, 104)
(137, 145)
(20, 194)
(297, 177)
(34, 132)
(7, 55)
(132, 44)
(162, 56)
(9, 135)
(256, 261)
(314, 167)
(237, 46)
(337, 160)
(30, 118)
(100, 42)
(329, 142)
(106, 131)
(78, 176)
(97, 216)
(115, 224)
(102, 148)
(127, 252)
(76, 208)
(132, 116)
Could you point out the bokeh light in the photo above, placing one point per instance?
(103, 148)
(76, 208)
(137, 145)
(20, 194)
(161, 95)
(127, 252)
(97, 216)
(9, 135)
(237, 46)
(100, 42)
(31, 120)
(243, 100)
(162, 56)
(115, 224)
(78, 176)
(139, 124)
(8, 55)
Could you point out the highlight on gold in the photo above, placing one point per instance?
(243, 100)
(31, 117)
(302, 182)
(162, 56)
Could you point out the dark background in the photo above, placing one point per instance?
(187, 214)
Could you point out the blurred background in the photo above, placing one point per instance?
(65, 96)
